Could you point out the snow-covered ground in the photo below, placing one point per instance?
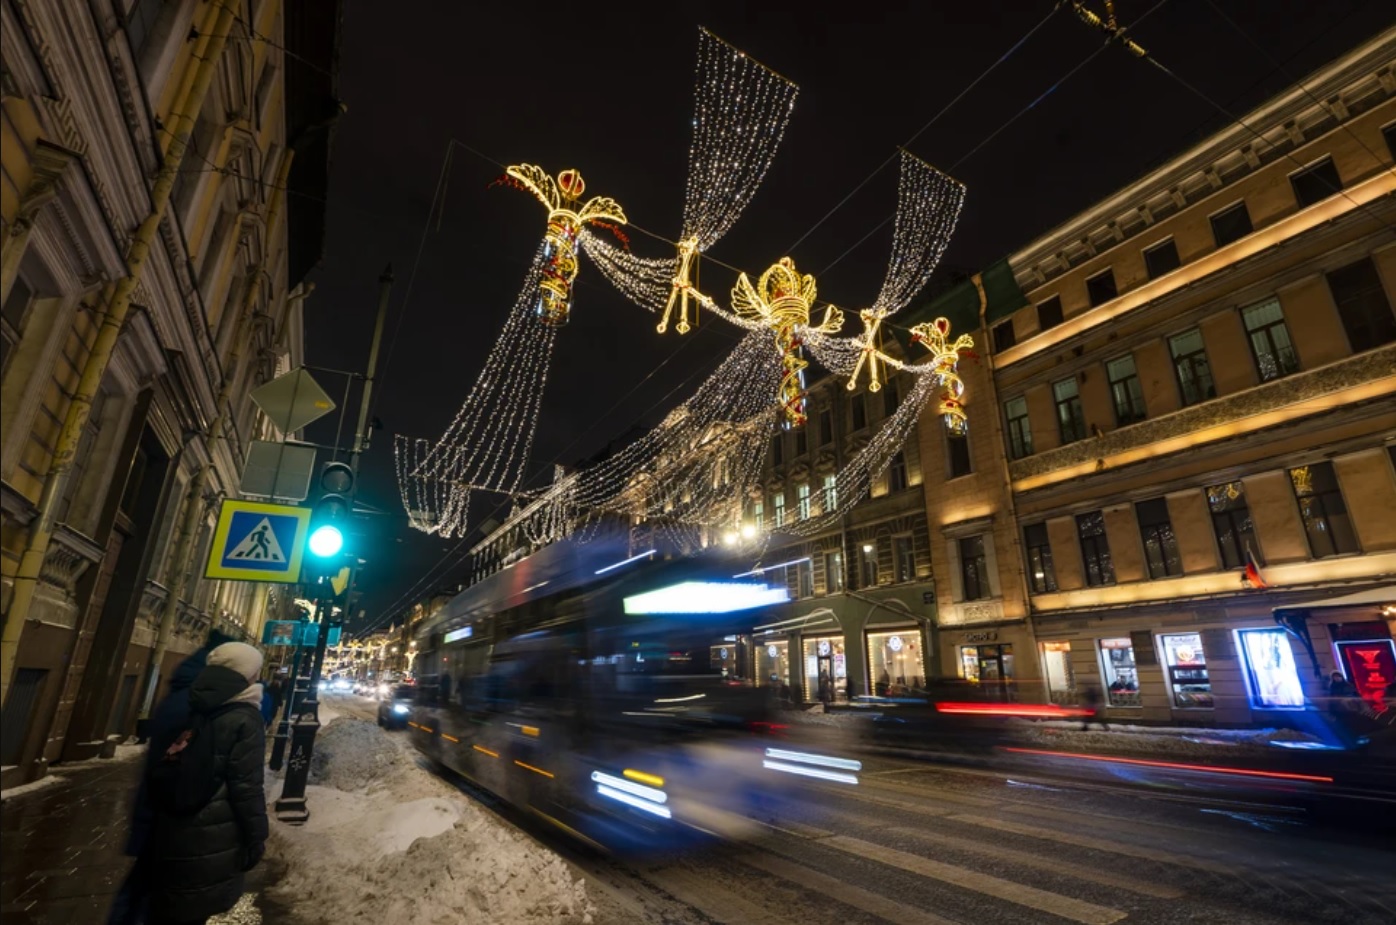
(123, 753)
(388, 841)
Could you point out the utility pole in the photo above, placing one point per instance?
(290, 805)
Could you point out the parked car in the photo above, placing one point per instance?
(394, 709)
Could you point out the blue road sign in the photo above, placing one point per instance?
(258, 542)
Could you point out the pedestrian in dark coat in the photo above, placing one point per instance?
(197, 861)
(169, 717)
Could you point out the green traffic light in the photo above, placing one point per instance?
(326, 541)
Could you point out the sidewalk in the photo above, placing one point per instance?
(61, 845)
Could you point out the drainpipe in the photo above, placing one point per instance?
(193, 501)
(113, 320)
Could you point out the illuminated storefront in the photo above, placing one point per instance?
(1120, 671)
(1370, 664)
(773, 664)
(896, 663)
(825, 659)
(1272, 677)
(1187, 670)
(991, 664)
(1058, 672)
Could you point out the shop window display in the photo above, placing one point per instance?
(1121, 674)
(1056, 668)
(895, 662)
(773, 666)
(825, 659)
(1187, 670)
(987, 664)
(1271, 673)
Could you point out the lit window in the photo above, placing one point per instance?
(1231, 523)
(1270, 343)
(1095, 549)
(779, 504)
(1321, 506)
(1125, 390)
(868, 564)
(1187, 670)
(1070, 417)
(1190, 364)
(802, 497)
(1019, 430)
(833, 572)
(904, 558)
(1040, 571)
(974, 571)
(1160, 545)
(758, 513)
(1121, 674)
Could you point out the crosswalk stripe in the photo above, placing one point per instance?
(1028, 859)
(1041, 900)
(1099, 844)
(844, 892)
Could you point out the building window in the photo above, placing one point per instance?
(1058, 673)
(831, 493)
(860, 412)
(1049, 313)
(1101, 287)
(1095, 549)
(1160, 545)
(1362, 305)
(959, 456)
(802, 498)
(1187, 670)
(1388, 132)
(1321, 506)
(826, 427)
(904, 558)
(12, 316)
(1190, 363)
(890, 398)
(1019, 430)
(801, 441)
(1316, 183)
(1040, 571)
(896, 472)
(777, 449)
(1004, 336)
(1070, 418)
(758, 514)
(1125, 390)
(974, 571)
(1121, 673)
(1231, 522)
(867, 565)
(895, 663)
(833, 572)
(1161, 258)
(804, 579)
(1271, 673)
(1231, 224)
(778, 502)
(1274, 352)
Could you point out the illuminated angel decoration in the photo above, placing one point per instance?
(781, 301)
(565, 223)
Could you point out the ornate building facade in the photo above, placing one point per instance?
(158, 160)
(1185, 432)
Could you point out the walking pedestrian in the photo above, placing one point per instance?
(168, 717)
(197, 857)
(1092, 700)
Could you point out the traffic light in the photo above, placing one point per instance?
(329, 520)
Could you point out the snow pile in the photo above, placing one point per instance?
(1153, 740)
(391, 842)
(354, 754)
(815, 716)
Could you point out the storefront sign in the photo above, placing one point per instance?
(985, 636)
(895, 643)
(1371, 666)
(772, 651)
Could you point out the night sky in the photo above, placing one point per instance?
(607, 89)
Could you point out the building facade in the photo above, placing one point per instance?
(154, 272)
(1193, 378)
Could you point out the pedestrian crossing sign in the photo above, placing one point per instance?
(258, 542)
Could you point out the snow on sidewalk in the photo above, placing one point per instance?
(388, 841)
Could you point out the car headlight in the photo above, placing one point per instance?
(401, 709)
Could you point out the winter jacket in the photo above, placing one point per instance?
(166, 722)
(197, 861)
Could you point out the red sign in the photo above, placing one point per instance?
(1371, 666)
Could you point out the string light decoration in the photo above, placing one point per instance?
(740, 111)
(565, 222)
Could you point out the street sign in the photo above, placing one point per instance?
(293, 400)
(278, 471)
(258, 542)
(297, 633)
(310, 634)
